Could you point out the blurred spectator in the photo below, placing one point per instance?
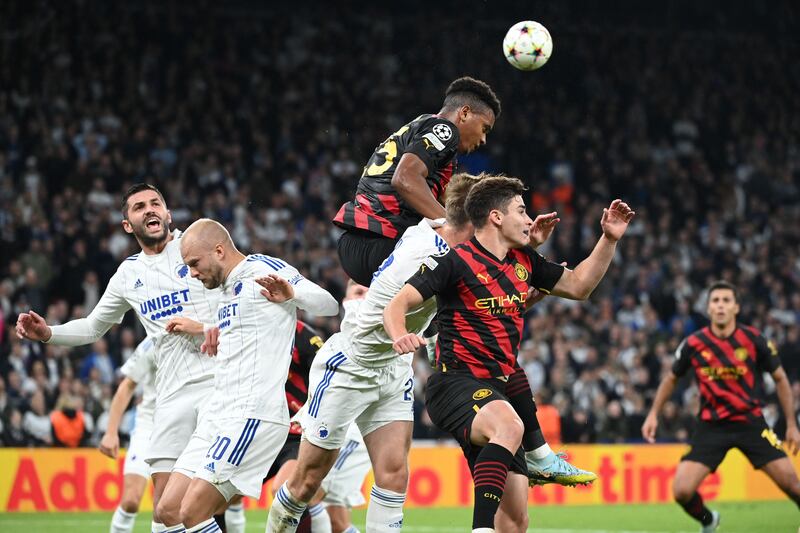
(100, 362)
(36, 422)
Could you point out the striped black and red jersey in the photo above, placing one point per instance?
(481, 303)
(728, 371)
(306, 344)
(377, 207)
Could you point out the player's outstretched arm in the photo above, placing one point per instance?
(109, 444)
(663, 393)
(33, 327)
(786, 399)
(394, 320)
(409, 182)
(578, 284)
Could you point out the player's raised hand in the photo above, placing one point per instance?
(543, 226)
(649, 428)
(210, 341)
(792, 440)
(181, 324)
(276, 289)
(616, 218)
(109, 445)
(408, 343)
(33, 327)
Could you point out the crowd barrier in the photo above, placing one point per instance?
(42, 480)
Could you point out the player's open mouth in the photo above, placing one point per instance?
(153, 223)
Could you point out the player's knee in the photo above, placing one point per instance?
(130, 504)
(681, 493)
(168, 513)
(516, 522)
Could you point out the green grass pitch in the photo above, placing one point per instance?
(771, 517)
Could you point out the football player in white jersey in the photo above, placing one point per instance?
(357, 377)
(156, 285)
(248, 422)
(138, 370)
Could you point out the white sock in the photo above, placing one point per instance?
(351, 529)
(235, 521)
(284, 515)
(385, 511)
(157, 527)
(206, 526)
(541, 452)
(320, 521)
(483, 530)
(122, 521)
(174, 529)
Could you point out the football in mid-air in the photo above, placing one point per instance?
(527, 45)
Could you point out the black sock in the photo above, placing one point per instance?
(697, 509)
(220, 520)
(518, 392)
(489, 475)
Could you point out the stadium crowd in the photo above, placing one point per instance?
(267, 132)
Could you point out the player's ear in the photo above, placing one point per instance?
(169, 218)
(127, 226)
(464, 112)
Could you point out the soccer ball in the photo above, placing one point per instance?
(527, 45)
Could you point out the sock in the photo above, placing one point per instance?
(284, 516)
(206, 526)
(489, 475)
(157, 527)
(174, 529)
(220, 520)
(351, 529)
(539, 453)
(320, 521)
(385, 510)
(483, 530)
(520, 396)
(235, 520)
(122, 521)
(697, 509)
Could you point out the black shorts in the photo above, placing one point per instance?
(287, 453)
(712, 440)
(362, 253)
(453, 400)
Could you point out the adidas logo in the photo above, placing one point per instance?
(138, 284)
(210, 467)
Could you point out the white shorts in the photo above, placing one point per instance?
(233, 454)
(175, 420)
(342, 392)
(343, 483)
(137, 451)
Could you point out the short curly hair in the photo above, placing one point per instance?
(474, 93)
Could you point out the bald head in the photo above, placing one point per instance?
(209, 252)
(206, 233)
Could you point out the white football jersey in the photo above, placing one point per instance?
(141, 368)
(157, 287)
(256, 338)
(364, 327)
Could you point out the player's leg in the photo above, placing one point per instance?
(544, 465)
(342, 485)
(388, 452)
(169, 505)
(709, 444)
(781, 471)
(159, 473)
(497, 430)
(688, 477)
(317, 514)
(202, 501)
(339, 389)
(133, 486)
(763, 449)
(512, 515)
(235, 520)
(293, 496)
